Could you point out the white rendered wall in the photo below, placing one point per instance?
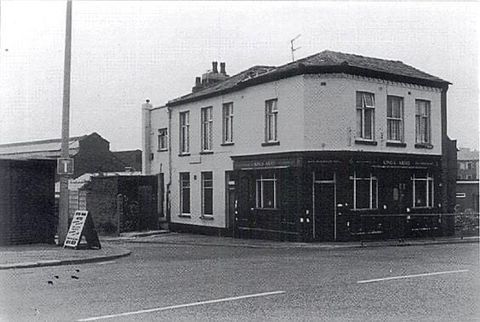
(248, 136)
(330, 113)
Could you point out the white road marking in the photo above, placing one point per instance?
(105, 263)
(227, 299)
(410, 276)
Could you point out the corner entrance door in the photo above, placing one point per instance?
(324, 200)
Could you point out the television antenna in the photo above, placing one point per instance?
(292, 48)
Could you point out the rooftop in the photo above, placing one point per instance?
(324, 62)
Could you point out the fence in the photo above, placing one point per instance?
(375, 226)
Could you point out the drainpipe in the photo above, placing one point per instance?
(168, 215)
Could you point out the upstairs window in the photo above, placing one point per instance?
(395, 118)
(271, 119)
(162, 140)
(184, 132)
(365, 115)
(207, 123)
(422, 122)
(228, 123)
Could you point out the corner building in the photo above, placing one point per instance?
(330, 147)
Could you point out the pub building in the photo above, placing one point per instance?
(331, 147)
(321, 195)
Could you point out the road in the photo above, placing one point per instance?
(185, 283)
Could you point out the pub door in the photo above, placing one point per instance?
(324, 210)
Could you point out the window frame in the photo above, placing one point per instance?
(271, 121)
(259, 193)
(227, 129)
(363, 108)
(371, 180)
(391, 119)
(429, 195)
(206, 129)
(184, 177)
(203, 191)
(419, 117)
(162, 137)
(184, 138)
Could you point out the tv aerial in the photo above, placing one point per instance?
(292, 48)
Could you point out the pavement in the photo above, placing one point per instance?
(38, 255)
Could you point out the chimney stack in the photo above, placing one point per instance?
(198, 81)
(222, 68)
(215, 67)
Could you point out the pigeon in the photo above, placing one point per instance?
(77, 270)
(50, 282)
(75, 277)
(56, 276)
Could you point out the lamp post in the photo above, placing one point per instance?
(63, 204)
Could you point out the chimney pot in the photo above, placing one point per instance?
(215, 67)
(198, 81)
(222, 68)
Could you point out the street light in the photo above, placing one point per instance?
(65, 155)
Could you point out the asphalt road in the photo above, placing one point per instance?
(207, 283)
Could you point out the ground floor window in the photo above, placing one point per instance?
(185, 193)
(365, 191)
(266, 192)
(207, 193)
(423, 191)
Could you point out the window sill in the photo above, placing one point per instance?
(162, 150)
(207, 217)
(227, 144)
(423, 146)
(206, 152)
(271, 143)
(268, 209)
(363, 209)
(184, 155)
(397, 144)
(422, 207)
(365, 142)
(185, 216)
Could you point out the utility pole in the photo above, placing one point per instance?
(65, 155)
(292, 48)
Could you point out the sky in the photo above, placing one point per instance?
(125, 52)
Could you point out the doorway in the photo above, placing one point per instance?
(324, 210)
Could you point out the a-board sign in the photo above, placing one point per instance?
(82, 225)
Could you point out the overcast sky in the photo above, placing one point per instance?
(124, 52)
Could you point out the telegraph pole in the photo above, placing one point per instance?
(65, 155)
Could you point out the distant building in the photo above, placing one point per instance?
(132, 159)
(91, 153)
(467, 196)
(306, 150)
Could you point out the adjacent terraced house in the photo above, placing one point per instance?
(325, 148)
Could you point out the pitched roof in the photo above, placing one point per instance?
(229, 83)
(324, 62)
(42, 148)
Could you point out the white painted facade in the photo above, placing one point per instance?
(315, 113)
